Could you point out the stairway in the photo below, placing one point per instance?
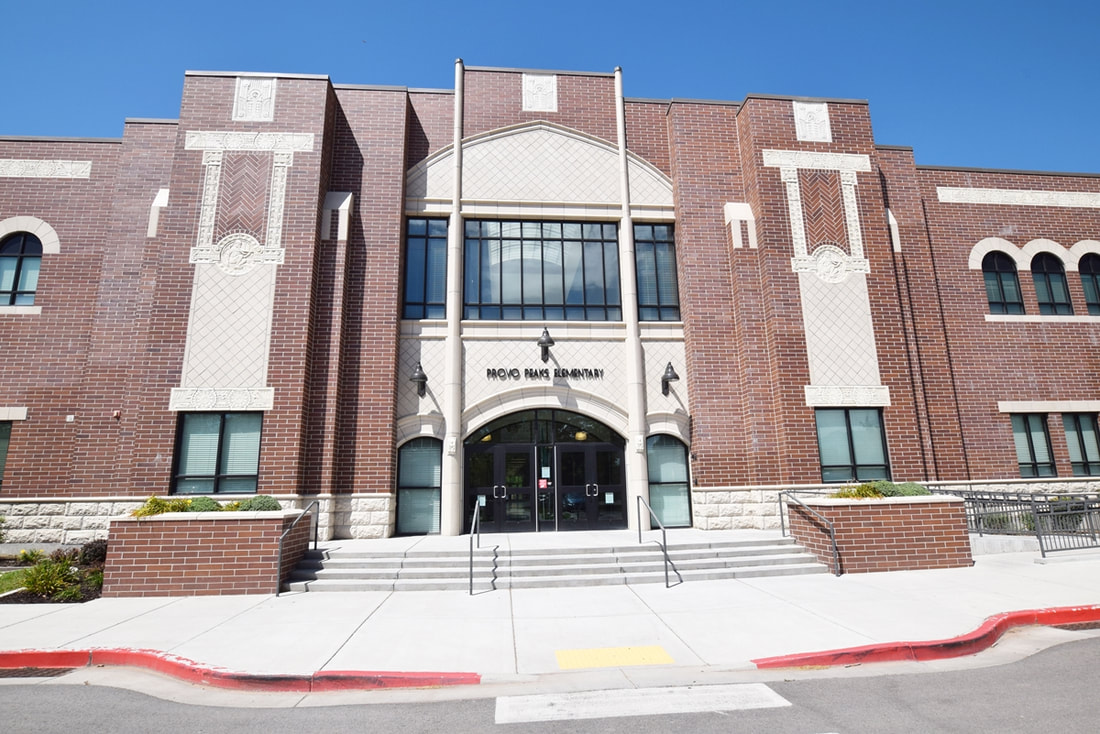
(498, 567)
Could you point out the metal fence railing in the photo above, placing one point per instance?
(1058, 521)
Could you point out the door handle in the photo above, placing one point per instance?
(592, 490)
(503, 491)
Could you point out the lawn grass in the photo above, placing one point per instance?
(11, 580)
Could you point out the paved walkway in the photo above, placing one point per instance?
(644, 632)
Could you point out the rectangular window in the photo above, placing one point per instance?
(655, 260)
(425, 269)
(1081, 439)
(419, 478)
(5, 438)
(517, 271)
(217, 453)
(852, 444)
(1029, 433)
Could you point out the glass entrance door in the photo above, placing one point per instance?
(500, 483)
(591, 493)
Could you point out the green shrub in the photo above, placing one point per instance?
(204, 504)
(865, 491)
(905, 489)
(156, 506)
(31, 557)
(93, 553)
(3, 535)
(47, 577)
(231, 506)
(68, 594)
(261, 502)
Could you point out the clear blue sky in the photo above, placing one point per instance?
(1005, 84)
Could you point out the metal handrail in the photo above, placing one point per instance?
(475, 531)
(316, 527)
(828, 523)
(663, 542)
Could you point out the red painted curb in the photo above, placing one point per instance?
(193, 672)
(980, 639)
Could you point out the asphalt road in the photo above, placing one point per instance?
(1055, 690)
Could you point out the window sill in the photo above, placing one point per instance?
(20, 310)
(1041, 318)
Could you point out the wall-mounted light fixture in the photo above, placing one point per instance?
(420, 379)
(669, 376)
(545, 342)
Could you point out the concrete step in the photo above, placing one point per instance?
(335, 569)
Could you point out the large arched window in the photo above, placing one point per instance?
(1050, 284)
(668, 480)
(1002, 286)
(419, 478)
(1090, 281)
(20, 259)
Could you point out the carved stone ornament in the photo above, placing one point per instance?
(820, 161)
(255, 100)
(865, 396)
(237, 253)
(210, 140)
(811, 122)
(1019, 197)
(830, 264)
(16, 168)
(221, 398)
(540, 92)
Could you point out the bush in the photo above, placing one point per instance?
(31, 557)
(905, 489)
(65, 555)
(48, 577)
(204, 504)
(93, 553)
(3, 535)
(156, 506)
(864, 491)
(260, 503)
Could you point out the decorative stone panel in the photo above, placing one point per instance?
(735, 508)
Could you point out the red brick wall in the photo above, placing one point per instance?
(900, 534)
(201, 554)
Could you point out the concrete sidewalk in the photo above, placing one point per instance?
(520, 635)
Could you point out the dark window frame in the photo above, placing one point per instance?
(1051, 288)
(437, 445)
(425, 267)
(5, 443)
(652, 243)
(1089, 268)
(856, 471)
(1000, 276)
(1030, 466)
(218, 477)
(23, 247)
(1075, 438)
(594, 246)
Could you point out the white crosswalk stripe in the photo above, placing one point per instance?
(636, 702)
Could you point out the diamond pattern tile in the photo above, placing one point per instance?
(840, 338)
(227, 340)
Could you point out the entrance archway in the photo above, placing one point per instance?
(544, 470)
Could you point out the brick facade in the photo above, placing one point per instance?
(89, 377)
(896, 534)
(202, 553)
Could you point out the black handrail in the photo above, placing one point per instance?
(475, 531)
(663, 542)
(316, 527)
(828, 523)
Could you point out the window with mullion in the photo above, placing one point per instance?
(851, 444)
(419, 482)
(1081, 440)
(1090, 281)
(217, 453)
(425, 269)
(1002, 285)
(5, 439)
(655, 263)
(1032, 440)
(1050, 284)
(540, 271)
(20, 261)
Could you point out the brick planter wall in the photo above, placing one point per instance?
(894, 534)
(201, 553)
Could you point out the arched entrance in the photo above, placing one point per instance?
(544, 470)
